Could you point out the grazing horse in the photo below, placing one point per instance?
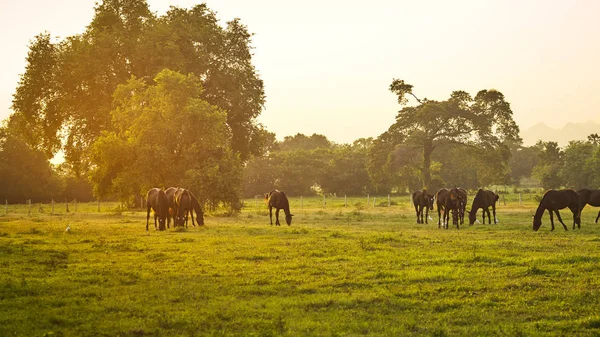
(483, 199)
(279, 200)
(196, 208)
(170, 192)
(553, 200)
(156, 199)
(449, 201)
(422, 199)
(184, 207)
(589, 197)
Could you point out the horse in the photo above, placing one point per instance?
(278, 200)
(554, 200)
(449, 201)
(170, 192)
(156, 199)
(422, 199)
(589, 197)
(196, 208)
(483, 199)
(184, 207)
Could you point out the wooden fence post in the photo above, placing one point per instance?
(368, 200)
(520, 200)
(389, 202)
(29, 208)
(5, 206)
(345, 200)
(67, 205)
(324, 202)
(75, 205)
(52, 202)
(374, 200)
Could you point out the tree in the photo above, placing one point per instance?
(346, 171)
(166, 135)
(550, 163)
(484, 122)
(522, 161)
(576, 171)
(66, 90)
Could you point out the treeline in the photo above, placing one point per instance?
(310, 165)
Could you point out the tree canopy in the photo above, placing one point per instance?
(483, 123)
(64, 98)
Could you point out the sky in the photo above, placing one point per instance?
(327, 64)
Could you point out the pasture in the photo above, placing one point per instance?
(337, 271)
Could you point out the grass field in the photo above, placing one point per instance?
(357, 270)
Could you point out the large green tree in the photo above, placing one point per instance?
(63, 100)
(483, 122)
(165, 135)
(550, 164)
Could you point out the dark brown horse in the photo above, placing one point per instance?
(279, 200)
(156, 199)
(196, 208)
(483, 199)
(422, 200)
(184, 207)
(554, 200)
(590, 197)
(449, 201)
(170, 192)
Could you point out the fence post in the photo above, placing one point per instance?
(98, 204)
(345, 201)
(374, 199)
(389, 202)
(368, 200)
(75, 205)
(256, 203)
(52, 202)
(29, 208)
(67, 205)
(5, 206)
(324, 201)
(520, 200)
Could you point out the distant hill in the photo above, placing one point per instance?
(571, 131)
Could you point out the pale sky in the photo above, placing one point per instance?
(327, 64)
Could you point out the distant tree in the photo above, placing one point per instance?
(522, 161)
(484, 122)
(346, 171)
(302, 142)
(576, 171)
(25, 173)
(594, 138)
(550, 164)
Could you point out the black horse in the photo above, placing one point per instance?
(590, 197)
(553, 200)
(483, 199)
(449, 201)
(196, 208)
(156, 199)
(184, 207)
(172, 212)
(422, 200)
(279, 200)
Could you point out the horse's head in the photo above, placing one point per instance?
(288, 219)
(537, 222)
(200, 218)
(472, 216)
(162, 223)
(430, 201)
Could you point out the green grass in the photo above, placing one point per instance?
(337, 271)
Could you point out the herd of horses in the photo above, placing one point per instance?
(453, 202)
(177, 203)
(173, 203)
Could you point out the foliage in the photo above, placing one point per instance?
(165, 135)
(550, 163)
(577, 172)
(522, 161)
(484, 121)
(68, 85)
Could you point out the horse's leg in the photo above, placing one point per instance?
(277, 217)
(487, 210)
(417, 211)
(147, 216)
(575, 222)
(271, 213)
(598, 217)
(560, 219)
(551, 219)
(426, 214)
(440, 215)
(494, 211)
(192, 214)
(155, 217)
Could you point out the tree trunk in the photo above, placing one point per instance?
(427, 150)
